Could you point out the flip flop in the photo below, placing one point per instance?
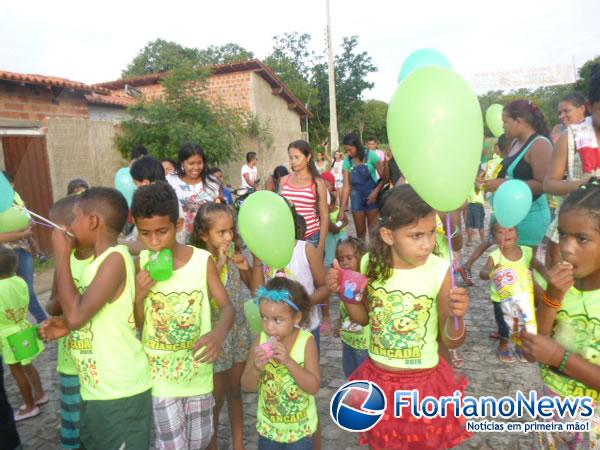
(494, 335)
(42, 401)
(520, 356)
(20, 415)
(506, 356)
(455, 359)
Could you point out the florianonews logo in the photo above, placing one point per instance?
(357, 406)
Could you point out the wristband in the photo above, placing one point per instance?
(564, 361)
(551, 303)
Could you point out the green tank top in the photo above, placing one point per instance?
(109, 357)
(176, 314)
(14, 305)
(66, 364)
(351, 333)
(576, 328)
(403, 316)
(285, 412)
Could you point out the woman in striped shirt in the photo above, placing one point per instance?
(306, 190)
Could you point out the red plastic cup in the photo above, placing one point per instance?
(352, 285)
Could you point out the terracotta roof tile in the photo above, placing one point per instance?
(43, 80)
(112, 100)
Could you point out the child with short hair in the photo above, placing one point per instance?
(174, 316)
(61, 213)
(568, 317)
(116, 406)
(354, 336)
(410, 302)
(284, 366)
(215, 231)
(14, 303)
(512, 288)
(475, 215)
(77, 186)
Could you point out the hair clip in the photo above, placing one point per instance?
(275, 296)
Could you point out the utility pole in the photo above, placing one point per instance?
(333, 130)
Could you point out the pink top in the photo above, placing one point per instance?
(305, 202)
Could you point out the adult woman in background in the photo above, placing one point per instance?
(193, 185)
(362, 182)
(528, 160)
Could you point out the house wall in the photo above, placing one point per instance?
(82, 148)
(110, 113)
(36, 103)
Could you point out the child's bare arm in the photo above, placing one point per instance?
(537, 265)
(308, 377)
(258, 276)
(487, 269)
(53, 305)
(452, 306)
(251, 374)
(317, 268)
(212, 342)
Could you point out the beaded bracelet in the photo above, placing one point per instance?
(564, 361)
(551, 303)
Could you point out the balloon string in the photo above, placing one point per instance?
(42, 224)
(452, 279)
(49, 222)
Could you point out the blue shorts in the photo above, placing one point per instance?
(475, 216)
(358, 199)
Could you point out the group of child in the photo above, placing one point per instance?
(141, 351)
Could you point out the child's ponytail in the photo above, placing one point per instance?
(402, 206)
(587, 197)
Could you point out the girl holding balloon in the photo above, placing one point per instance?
(527, 160)
(409, 303)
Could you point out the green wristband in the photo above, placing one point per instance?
(564, 361)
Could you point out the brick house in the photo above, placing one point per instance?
(53, 129)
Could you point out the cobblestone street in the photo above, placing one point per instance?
(487, 376)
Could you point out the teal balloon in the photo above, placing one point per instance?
(13, 219)
(424, 57)
(252, 313)
(267, 227)
(7, 193)
(435, 131)
(493, 119)
(124, 184)
(512, 202)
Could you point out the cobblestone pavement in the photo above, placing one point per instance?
(487, 376)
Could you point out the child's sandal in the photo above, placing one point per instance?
(455, 359)
(506, 356)
(21, 415)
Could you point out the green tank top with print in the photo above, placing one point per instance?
(66, 364)
(403, 316)
(109, 357)
(576, 328)
(351, 333)
(176, 314)
(285, 412)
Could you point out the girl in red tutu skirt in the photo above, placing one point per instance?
(409, 303)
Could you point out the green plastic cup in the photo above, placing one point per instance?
(252, 313)
(160, 265)
(25, 343)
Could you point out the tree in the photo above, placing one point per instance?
(182, 115)
(586, 71)
(370, 120)
(223, 54)
(160, 56)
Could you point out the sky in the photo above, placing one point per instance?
(93, 41)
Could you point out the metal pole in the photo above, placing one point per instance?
(333, 130)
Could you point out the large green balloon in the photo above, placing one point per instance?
(435, 130)
(13, 219)
(267, 227)
(493, 118)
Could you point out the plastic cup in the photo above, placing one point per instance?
(25, 343)
(160, 265)
(352, 285)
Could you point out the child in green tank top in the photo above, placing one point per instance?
(174, 315)
(14, 303)
(567, 344)
(113, 370)
(61, 213)
(284, 366)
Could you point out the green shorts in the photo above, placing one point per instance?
(108, 424)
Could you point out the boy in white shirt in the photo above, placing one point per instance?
(250, 172)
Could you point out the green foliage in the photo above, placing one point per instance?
(371, 120)
(223, 54)
(181, 115)
(585, 72)
(160, 56)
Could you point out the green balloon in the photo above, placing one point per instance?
(435, 131)
(267, 227)
(493, 119)
(252, 313)
(13, 219)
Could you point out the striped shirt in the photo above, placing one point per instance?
(305, 202)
